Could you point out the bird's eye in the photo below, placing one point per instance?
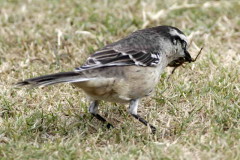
(184, 45)
(174, 40)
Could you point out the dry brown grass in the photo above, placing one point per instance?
(196, 111)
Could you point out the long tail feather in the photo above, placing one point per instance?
(51, 79)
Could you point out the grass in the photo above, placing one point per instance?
(196, 111)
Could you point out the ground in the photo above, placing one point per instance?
(196, 111)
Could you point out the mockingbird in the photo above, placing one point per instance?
(124, 71)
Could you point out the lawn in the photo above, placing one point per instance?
(196, 110)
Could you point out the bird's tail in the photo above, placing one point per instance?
(62, 77)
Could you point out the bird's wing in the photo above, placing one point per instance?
(133, 50)
(113, 57)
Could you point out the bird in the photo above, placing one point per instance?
(124, 71)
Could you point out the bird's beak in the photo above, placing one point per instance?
(188, 56)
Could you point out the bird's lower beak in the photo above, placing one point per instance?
(188, 56)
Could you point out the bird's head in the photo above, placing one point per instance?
(178, 44)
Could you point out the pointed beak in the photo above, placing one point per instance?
(188, 56)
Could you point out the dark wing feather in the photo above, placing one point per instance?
(116, 58)
(141, 48)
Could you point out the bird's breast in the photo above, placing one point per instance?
(134, 82)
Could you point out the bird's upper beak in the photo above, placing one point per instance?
(188, 56)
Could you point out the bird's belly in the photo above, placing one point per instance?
(137, 82)
(103, 89)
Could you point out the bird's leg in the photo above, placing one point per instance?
(133, 111)
(93, 109)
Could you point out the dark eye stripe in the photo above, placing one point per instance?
(184, 44)
(177, 38)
